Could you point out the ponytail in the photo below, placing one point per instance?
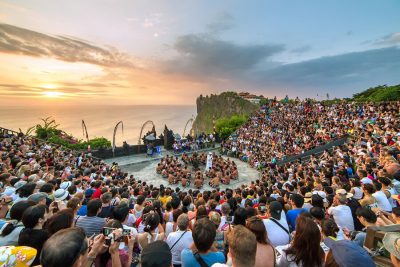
(7, 229)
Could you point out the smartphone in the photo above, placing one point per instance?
(229, 219)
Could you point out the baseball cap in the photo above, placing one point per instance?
(156, 254)
(275, 209)
(348, 253)
(391, 242)
(366, 180)
(344, 192)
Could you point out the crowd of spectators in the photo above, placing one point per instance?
(190, 144)
(61, 208)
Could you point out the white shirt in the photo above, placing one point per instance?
(276, 235)
(183, 243)
(342, 216)
(383, 202)
(358, 193)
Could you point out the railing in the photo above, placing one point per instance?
(8, 131)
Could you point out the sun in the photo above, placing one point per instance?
(52, 94)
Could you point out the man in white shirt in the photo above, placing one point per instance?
(179, 240)
(277, 226)
(341, 212)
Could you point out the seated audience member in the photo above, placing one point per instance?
(391, 242)
(276, 225)
(156, 254)
(265, 256)
(242, 248)
(299, 254)
(202, 252)
(33, 234)
(90, 223)
(180, 239)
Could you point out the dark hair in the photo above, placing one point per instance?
(201, 212)
(73, 243)
(32, 215)
(329, 228)
(151, 222)
(93, 207)
(317, 201)
(47, 188)
(367, 214)
(306, 243)
(369, 188)
(175, 214)
(120, 213)
(297, 199)
(26, 190)
(62, 219)
(256, 225)
(317, 212)
(16, 213)
(140, 199)
(203, 234)
(240, 216)
(175, 202)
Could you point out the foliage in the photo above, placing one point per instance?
(379, 93)
(49, 131)
(226, 126)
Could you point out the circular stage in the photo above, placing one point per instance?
(146, 171)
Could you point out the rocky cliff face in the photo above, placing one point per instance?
(213, 107)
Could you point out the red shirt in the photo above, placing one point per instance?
(97, 193)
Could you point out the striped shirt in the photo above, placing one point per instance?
(91, 225)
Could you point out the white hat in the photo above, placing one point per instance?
(366, 180)
(65, 185)
(60, 194)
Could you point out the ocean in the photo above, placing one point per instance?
(101, 120)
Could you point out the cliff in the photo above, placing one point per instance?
(213, 107)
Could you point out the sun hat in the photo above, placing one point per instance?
(275, 209)
(37, 197)
(343, 192)
(60, 194)
(391, 242)
(19, 184)
(307, 197)
(65, 185)
(17, 256)
(348, 253)
(156, 254)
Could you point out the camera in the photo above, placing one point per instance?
(229, 219)
(108, 233)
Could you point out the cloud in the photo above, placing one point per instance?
(391, 39)
(301, 49)
(15, 40)
(222, 22)
(200, 55)
(344, 71)
(25, 90)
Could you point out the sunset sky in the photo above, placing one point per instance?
(168, 52)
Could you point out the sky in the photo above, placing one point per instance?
(130, 52)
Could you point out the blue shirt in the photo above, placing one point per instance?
(82, 211)
(188, 260)
(291, 217)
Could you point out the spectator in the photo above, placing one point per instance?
(202, 251)
(341, 213)
(180, 239)
(90, 223)
(345, 253)
(106, 207)
(156, 254)
(391, 242)
(296, 201)
(305, 249)
(276, 226)
(265, 256)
